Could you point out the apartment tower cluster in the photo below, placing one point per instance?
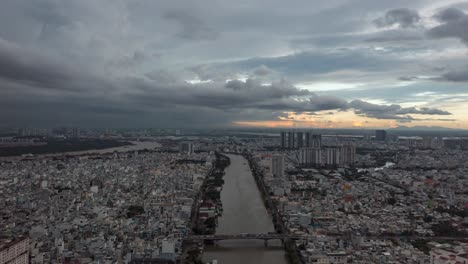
(313, 154)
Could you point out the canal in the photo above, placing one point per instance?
(243, 212)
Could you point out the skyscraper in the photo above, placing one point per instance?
(75, 133)
(307, 139)
(283, 139)
(277, 165)
(380, 135)
(332, 158)
(14, 250)
(304, 156)
(186, 148)
(291, 140)
(310, 157)
(348, 154)
(316, 141)
(300, 139)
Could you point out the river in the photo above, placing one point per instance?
(136, 145)
(243, 212)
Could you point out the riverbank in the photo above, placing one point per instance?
(206, 208)
(292, 252)
(211, 206)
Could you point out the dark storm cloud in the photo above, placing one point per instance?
(393, 111)
(17, 64)
(449, 15)
(141, 62)
(163, 92)
(239, 95)
(40, 72)
(327, 103)
(79, 109)
(422, 111)
(234, 94)
(403, 17)
(101, 112)
(460, 75)
(455, 26)
(311, 104)
(153, 98)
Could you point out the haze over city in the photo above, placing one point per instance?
(325, 64)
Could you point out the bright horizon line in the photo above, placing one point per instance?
(273, 125)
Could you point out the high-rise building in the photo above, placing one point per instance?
(307, 139)
(300, 139)
(411, 142)
(291, 140)
(187, 148)
(348, 154)
(380, 135)
(75, 133)
(14, 251)
(277, 165)
(310, 157)
(316, 141)
(332, 157)
(283, 139)
(304, 156)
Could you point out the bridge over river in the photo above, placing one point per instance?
(243, 236)
(270, 236)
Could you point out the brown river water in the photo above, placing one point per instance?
(243, 212)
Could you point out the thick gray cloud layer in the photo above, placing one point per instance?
(455, 25)
(150, 63)
(393, 111)
(449, 15)
(460, 75)
(23, 66)
(402, 17)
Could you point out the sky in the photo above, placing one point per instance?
(244, 63)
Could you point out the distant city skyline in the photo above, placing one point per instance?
(212, 64)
